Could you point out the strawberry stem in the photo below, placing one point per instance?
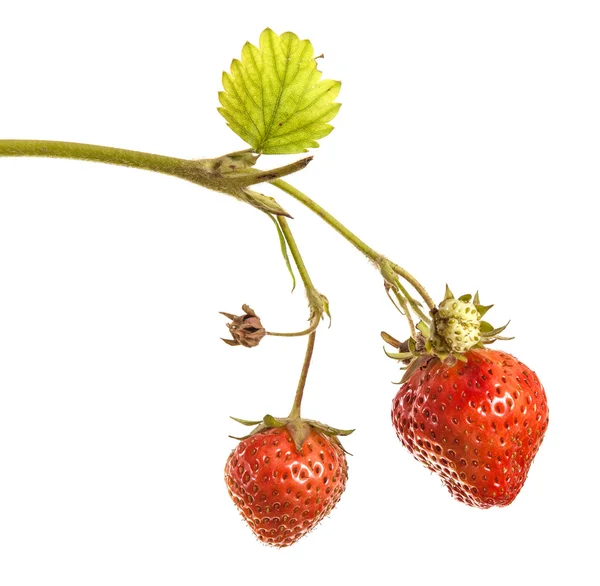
(389, 270)
(295, 412)
(233, 174)
(315, 299)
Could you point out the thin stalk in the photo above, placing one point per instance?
(418, 287)
(295, 412)
(325, 215)
(413, 303)
(314, 297)
(379, 260)
(309, 330)
(406, 310)
(298, 260)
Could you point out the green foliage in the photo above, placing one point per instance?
(274, 97)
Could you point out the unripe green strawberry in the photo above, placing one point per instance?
(456, 326)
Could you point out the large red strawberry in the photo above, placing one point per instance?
(283, 490)
(477, 423)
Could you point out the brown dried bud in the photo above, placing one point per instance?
(246, 330)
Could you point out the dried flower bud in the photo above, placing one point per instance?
(246, 330)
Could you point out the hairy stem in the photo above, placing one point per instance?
(405, 309)
(98, 154)
(229, 174)
(295, 412)
(298, 260)
(210, 173)
(314, 298)
(387, 268)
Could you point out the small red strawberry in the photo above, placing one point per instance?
(283, 486)
(478, 423)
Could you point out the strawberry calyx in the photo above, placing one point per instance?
(298, 428)
(456, 326)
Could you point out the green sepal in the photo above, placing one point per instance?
(482, 309)
(232, 162)
(412, 346)
(494, 331)
(399, 355)
(262, 202)
(390, 340)
(327, 429)
(326, 309)
(460, 357)
(298, 428)
(413, 367)
(245, 421)
(476, 298)
(424, 329)
(271, 421)
(485, 327)
(466, 298)
(448, 294)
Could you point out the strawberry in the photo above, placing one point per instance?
(281, 490)
(478, 422)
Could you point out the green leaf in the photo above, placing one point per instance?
(274, 97)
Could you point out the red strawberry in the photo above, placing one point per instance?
(478, 424)
(283, 492)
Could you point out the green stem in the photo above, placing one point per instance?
(298, 260)
(387, 268)
(314, 297)
(405, 309)
(325, 215)
(229, 174)
(295, 412)
(413, 303)
(209, 174)
(98, 154)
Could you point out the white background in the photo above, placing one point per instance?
(466, 150)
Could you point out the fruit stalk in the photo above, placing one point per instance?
(389, 270)
(295, 412)
(315, 299)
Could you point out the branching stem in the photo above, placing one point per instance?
(315, 300)
(214, 174)
(388, 269)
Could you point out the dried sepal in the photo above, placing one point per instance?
(246, 330)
